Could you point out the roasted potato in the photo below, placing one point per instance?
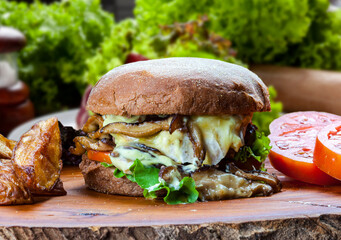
(6, 147)
(12, 189)
(57, 190)
(37, 156)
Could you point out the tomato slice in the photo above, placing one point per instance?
(293, 139)
(99, 156)
(327, 154)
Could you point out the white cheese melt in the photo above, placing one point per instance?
(127, 156)
(219, 134)
(114, 118)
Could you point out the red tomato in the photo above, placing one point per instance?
(99, 156)
(293, 139)
(327, 154)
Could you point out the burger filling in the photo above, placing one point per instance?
(183, 154)
(218, 135)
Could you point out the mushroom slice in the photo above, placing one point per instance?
(85, 143)
(213, 184)
(94, 123)
(37, 156)
(12, 189)
(257, 175)
(177, 122)
(145, 129)
(6, 147)
(197, 141)
(168, 173)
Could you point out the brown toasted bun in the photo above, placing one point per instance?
(101, 179)
(188, 86)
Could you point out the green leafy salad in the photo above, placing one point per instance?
(60, 37)
(288, 32)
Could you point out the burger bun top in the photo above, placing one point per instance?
(187, 86)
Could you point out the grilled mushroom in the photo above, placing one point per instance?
(145, 129)
(94, 123)
(197, 141)
(84, 143)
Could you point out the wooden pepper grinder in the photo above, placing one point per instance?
(15, 105)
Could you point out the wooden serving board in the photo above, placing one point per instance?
(299, 211)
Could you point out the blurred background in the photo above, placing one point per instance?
(294, 46)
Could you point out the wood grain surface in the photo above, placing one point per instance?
(316, 208)
(303, 89)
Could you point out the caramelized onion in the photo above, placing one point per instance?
(84, 143)
(145, 129)
(197, 141)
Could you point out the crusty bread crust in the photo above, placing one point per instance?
(187, 86)
(101, 179)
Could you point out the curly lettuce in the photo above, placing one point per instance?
(259, 150)
(60, 37)
(252, 25)
(179, 40)
(125, 37)
(287, 32)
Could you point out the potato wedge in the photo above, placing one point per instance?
(12, 189)
(37, 156)
(57, 190)
(6, 147)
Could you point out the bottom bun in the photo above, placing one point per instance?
(101, 179)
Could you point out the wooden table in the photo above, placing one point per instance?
(300, 211)
(302, 89)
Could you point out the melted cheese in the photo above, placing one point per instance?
(127, 155)
(219, 134)
(176, 146)
(114, 118)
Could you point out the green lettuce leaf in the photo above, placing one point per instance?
(145, 177)
(259, 150)
(118, 173)
(104, 164)
(148, 179)
(186, 192)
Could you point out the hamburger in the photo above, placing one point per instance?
(178, 129)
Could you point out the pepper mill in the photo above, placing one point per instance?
(15, 105)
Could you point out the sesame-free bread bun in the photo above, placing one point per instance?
(102, 179)
(187, 86)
